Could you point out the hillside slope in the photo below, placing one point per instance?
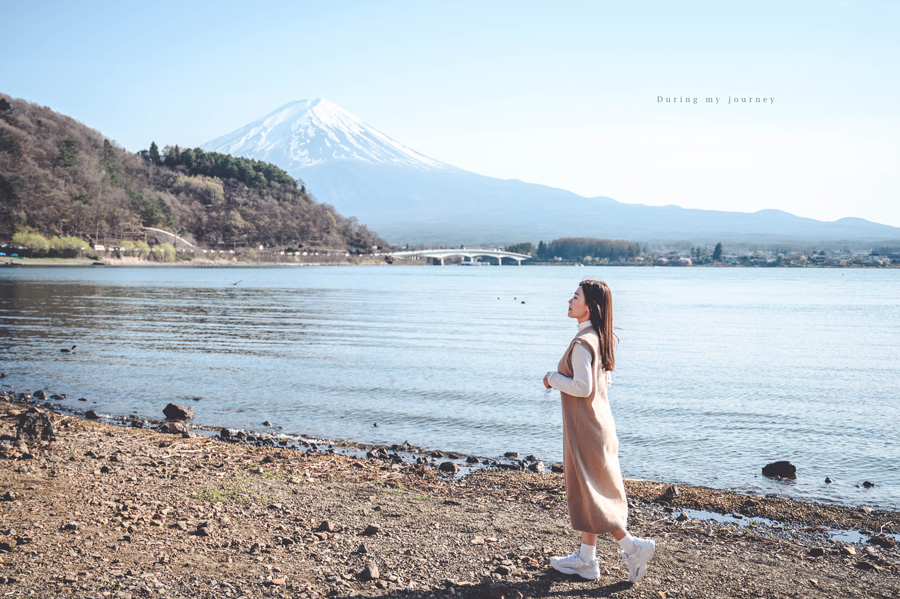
(60, 177)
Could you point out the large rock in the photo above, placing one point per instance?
(174, 412)
(781, 469)
(35, 425)
(174, 428)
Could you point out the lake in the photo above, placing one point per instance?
(719, 370)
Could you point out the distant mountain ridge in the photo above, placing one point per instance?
(411, 198)
(307, 133)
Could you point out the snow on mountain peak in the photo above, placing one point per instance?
(306, 133)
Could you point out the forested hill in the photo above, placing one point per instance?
(59, 177)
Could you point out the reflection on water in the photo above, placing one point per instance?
(719, 370)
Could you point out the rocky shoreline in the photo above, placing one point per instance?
(101, 510)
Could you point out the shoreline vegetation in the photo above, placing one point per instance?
(378, 260)
(95, 509)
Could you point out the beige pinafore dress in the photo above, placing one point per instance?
(594, 489)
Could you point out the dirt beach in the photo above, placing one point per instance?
(109, 511)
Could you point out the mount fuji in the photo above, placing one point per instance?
(408, 197)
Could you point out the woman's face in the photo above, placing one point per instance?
(578, 307)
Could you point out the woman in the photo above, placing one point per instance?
(594, 490)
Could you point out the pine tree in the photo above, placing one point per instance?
(717, 253)
(154, 153)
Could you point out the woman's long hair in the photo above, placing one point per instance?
(599, 302)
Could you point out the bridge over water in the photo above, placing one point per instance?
(471, 254)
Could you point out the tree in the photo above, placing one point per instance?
(541, 250)
(154, 153)
(521, 248)
(717, 253)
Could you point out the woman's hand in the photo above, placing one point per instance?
(547, 380)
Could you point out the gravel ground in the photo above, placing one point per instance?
(108, 511)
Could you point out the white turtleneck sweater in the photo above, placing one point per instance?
(581, 384)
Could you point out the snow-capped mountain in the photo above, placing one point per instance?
(306, 133)
(410, 198)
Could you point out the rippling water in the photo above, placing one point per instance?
(720, 371)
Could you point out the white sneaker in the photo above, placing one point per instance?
(574, 564)
(637, 561)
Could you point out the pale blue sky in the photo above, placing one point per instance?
(563, 94)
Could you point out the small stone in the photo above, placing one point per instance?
(70, 526)
(556, 468)
(370, 572)
(867, 566)
(848, 550)
(450, 467)
(70, 577)
(502, 570)
(816, 552)
(537, 466)
(371, 529)
(511, 454)
(471, 460)
(672, 492)
(8, 545)
(868, 484)
(267, 423)
(40, 395)
(92, 415)
(277, 582)
(327, 526)
(882, 541)
(682, 517)
(362, 548)
(9, 496)
(477, 541)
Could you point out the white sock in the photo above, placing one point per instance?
(627, 543)
(587, 552)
